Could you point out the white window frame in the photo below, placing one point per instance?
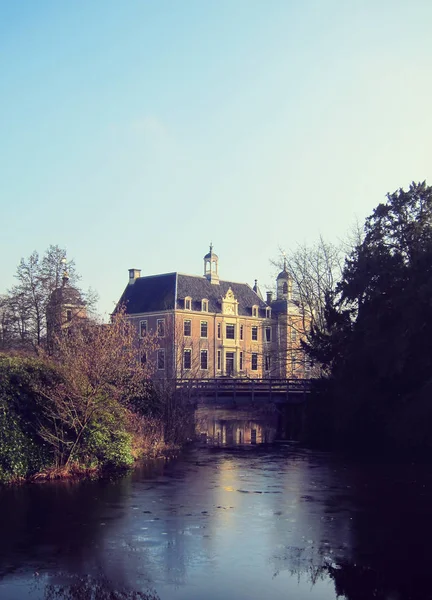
(161, 352)
(219, 360)
(254, 330)
(204, 305)
(226, 331)
(140, 327)
(268, 312)
(158, 328)
(204, 352)
(255, 310)
(184, 328)
(188, 303)
(241, 361)
(204, 337)
(219, 330)
(254, 355)
(268, 330)
(187, 351)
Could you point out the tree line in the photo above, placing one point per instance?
(371, 328)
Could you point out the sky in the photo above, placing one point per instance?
(135, 133)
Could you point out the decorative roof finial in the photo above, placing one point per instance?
(284, 261)
(65, 277)
(211, 247)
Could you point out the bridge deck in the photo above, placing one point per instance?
(252, 388)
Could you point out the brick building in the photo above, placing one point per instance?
(208, 327)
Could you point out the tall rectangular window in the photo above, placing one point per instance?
(241, 332)
(143, 328)
(254, 362)
(268, 334)
(218, 360)
(161, 359)
(143, 358)
(204, 329)
(241, 361)
(204, 359)
(254, 333)
(187, 359)
(187, 327)
(293, 335)
(267, 362)
(219, 331)
(230, 331)
(204, 305)
(188, 303)
(161, 327)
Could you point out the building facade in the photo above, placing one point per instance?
(208, 327)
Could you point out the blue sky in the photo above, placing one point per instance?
(134, 133)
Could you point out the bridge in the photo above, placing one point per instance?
(239, 390)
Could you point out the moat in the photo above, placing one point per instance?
(248, 523)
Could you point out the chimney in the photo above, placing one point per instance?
(269, 297)
(134, 274)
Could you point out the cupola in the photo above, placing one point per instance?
(284, 284)
(211, 266)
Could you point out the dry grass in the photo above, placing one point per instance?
(72, 471)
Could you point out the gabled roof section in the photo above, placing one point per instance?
(168, 291)
(199, 287)
(150, 294)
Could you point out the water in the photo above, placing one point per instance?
(245, 524)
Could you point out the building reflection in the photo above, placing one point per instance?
(228, 427)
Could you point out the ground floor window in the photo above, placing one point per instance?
(187, 359)
(204, 359)
(254, 362)
(229, 363)
(161, 359)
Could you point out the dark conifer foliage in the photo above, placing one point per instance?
(377, 343)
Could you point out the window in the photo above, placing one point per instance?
(68, 315)
(267, 362)
(219, 330)
(187, 327)
(268, 313)
(161, 359)
(143, 358)
(204, 329)
(254, 311)
(241, 332)
(254, 333)
(142, 328)
(254, 362)
(204, 305)
(293, 335)
(187, 359)
(230, 332)
(229, 363)
(188, 303)
(161, 327)
(241, 361)
(204, 361)
(218, 360)
(268, 334)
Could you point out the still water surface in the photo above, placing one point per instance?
(245, 524)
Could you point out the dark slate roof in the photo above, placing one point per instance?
(279, 306)
(150, 294)
(199, 287)
(66, 294)
(158, 292)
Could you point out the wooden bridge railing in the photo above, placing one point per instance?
(243, 385)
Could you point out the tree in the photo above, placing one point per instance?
(379, 323)
(100, 375)
(27, 301)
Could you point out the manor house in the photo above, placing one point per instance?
(208, 327)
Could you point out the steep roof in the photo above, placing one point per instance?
(150, 294)
(164, 292)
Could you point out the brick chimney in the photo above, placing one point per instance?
(269, 297)
(134, 274)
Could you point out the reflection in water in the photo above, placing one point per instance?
(247, 523)
(229, 427)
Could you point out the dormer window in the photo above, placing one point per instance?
(254, 311)
(268, 313)
(188, 303)
(204, 305)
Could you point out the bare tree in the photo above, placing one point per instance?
(100, 374)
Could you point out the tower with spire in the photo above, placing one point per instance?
(211, 268)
